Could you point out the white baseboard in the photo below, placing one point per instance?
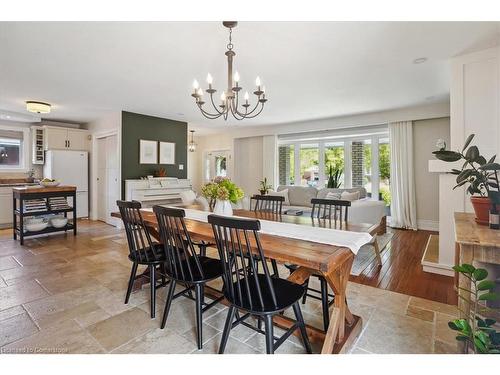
(440, 269)
(432, 225)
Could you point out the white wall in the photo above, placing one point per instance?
(248, 161)
(425, 135)
(103, 126)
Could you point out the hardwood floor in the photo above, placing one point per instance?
(402, 272)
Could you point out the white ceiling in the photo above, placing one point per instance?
(310, 69)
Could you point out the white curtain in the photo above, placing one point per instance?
(403, 205)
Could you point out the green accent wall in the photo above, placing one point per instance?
(135, 127)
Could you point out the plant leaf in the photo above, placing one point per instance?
(448, 156)
(472, 154)
(486, 285)
(481, 160)
(490, 296)
(480, 274)
(464, 175)
(490, 167)
(492, 159)
(489, 322)
(468, 268)
(468, 141)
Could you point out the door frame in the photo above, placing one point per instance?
(229, 165)
(93, 184)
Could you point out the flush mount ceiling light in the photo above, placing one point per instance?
(229, 99)
(191, 144)
(420, 60)
(37, 107)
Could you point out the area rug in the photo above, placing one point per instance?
(366, 254)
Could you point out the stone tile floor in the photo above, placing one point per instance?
(64, 294)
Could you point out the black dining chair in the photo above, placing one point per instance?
(142, 250)
(271, 207)
(245, 288)
(183, 265)
(330, 210)
(323, 208)
(267, 204)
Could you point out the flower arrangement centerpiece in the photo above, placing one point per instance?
(221, 189)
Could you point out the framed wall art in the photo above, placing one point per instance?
(148, 152)
(167, 153)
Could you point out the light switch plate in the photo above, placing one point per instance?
(181, 167)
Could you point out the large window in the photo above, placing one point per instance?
(358, 159)
(384, 170)
(309, 164)
(334, 161)
(13, 153)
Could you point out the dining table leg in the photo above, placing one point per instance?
(337, 279)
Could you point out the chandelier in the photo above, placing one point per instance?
(230, 102)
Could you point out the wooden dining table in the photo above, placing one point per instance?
(312, 258)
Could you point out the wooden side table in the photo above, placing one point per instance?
(474, 242)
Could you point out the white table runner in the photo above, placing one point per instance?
(351, 240)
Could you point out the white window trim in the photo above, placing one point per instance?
(25, 164)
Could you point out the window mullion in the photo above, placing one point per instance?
(347, 164)
(321, 165)
(375, 168)
(296, 165)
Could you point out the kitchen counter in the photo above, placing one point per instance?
(10, 182)
(16, 184)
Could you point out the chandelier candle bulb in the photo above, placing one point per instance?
(209, 79)
(257, 82)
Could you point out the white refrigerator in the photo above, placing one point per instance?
(70, 168)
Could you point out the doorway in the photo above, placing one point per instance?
(108, 185)
(217, 164)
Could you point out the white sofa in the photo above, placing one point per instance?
(363, 210)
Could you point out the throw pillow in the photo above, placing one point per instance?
(346, 196)
(282, 193)
(332, 195)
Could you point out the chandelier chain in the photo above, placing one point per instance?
(230, 44)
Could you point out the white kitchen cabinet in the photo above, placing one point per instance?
(78, 140)
(57, 138)
(5, 206)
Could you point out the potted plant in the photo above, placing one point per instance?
(264, 187)
(475, 329)
(334, 176)
(220, 193)
(479, 174)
